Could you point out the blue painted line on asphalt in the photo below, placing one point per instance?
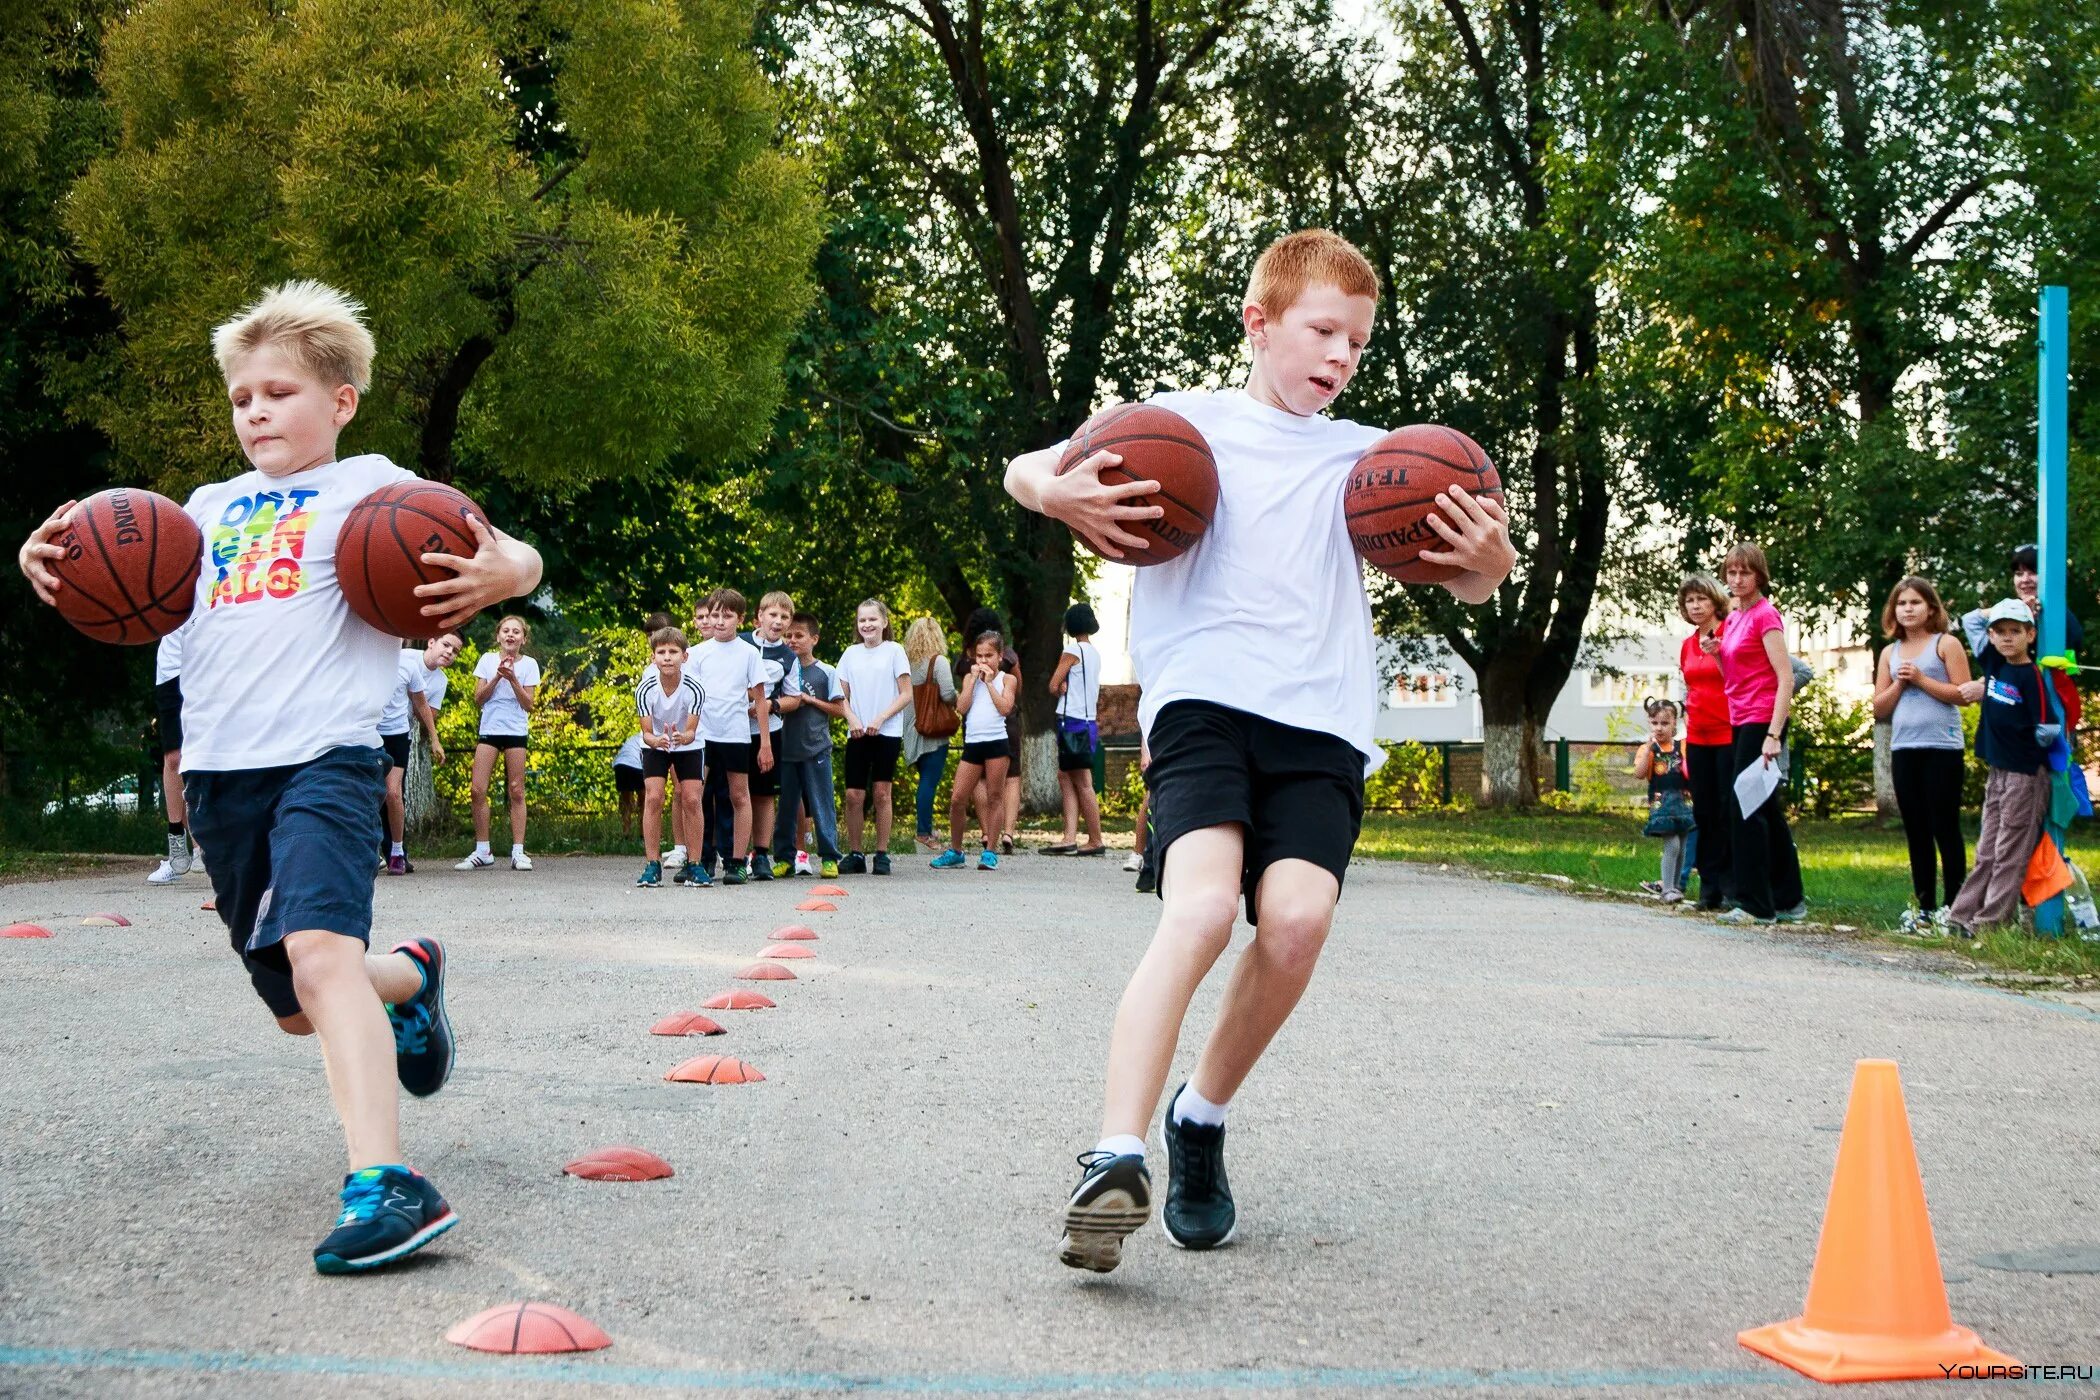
(591, 1373)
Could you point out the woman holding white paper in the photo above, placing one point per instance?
(1758, 676)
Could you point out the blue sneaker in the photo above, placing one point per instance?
(388, 1213)
(423, 1045)
(653, 875)
(949, 860)
(986, 861)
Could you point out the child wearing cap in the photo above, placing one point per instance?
(2016, 790)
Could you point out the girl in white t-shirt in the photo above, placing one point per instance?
(986, 697)
(506, 687)
(1077, 685)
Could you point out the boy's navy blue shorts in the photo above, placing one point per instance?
(288, 849)
(1298, 794)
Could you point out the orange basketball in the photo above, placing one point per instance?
(129, 574)
(1156, 444)
(379, 556)
(1392, 493)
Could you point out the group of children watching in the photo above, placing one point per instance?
(1924, 678)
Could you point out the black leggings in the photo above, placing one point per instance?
(1928, 794)
(1712, 771)
(1767, 868)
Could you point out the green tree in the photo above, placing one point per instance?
(582, 252)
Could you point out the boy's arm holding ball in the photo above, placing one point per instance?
(1081, 500)
(1477, 543)
(501, 567)
(40, 551)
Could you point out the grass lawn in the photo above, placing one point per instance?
(1855, 871)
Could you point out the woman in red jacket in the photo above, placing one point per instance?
(1707, 735)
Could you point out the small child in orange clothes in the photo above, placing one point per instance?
(1661, 762)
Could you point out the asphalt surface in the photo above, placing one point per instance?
(1513, 1141)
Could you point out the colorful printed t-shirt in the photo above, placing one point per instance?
(276, 669)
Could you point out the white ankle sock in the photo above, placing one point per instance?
(396, 850)
(1192, 1107)
(481, 848)
(517, 848)
(1122, 1145)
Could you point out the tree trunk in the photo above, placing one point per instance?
(423, 815)
(1038, 760)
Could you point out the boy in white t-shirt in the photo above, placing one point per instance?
(419, 693)
(282, 690)
(668, 702)
(1254, 652)
(732, 675)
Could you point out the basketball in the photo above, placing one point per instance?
(1156, 444)
(379, 557)
(1392, 493)
(130, 567)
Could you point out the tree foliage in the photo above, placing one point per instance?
(581, 250)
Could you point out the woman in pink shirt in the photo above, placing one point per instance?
(1709, 742)
(1758, 677)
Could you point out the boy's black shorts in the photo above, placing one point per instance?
(984, 751)
(395, 746)
(290, 849)
(626, 780)
(1297, 793)
(730, 758)
(871, 759)
(658, 763)
(765, 782)
(167, 705)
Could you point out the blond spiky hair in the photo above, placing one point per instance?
(316, 325)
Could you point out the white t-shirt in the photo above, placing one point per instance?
(670, 712)
(1082, 683)
(727, 671)
(276, 669)
(167, 657)
(501, 713)
(409, 673)
(1266, 613)
(869, 676)
(984, 723)
(630, 754)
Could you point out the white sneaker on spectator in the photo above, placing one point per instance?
(674, 858)
(166, 875)
(476, 861)
(175, 865)
(1134, 863)
(803, 864)
(520, 861)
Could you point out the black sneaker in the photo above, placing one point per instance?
(388, 1213)
(1148, 879)
(1112, 1200)
(423, 1045)
(732, 872)
(761, 867)
(854, 864)
(882, 863)
(1199, 1213)
(680, 875)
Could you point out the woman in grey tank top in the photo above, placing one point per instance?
(1917, 689)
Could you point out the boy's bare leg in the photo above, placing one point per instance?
(396, 816)
(1295, 908)
(739, 816)
(959, 806)
(653, 818)
(1089, 806)
(394, 976)
(681, 826)
(762, 811)
(856, 803)
(1195, 926)
(514, 785)
(995, 778)
(685, 803)
(1068, 797)
(882, 817)
(336, 990)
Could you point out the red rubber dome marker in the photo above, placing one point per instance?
(739, 1000)
(764, 972)
(619, 1163)
(794, 933)
(817, 906)
(687, 1023)
(785, 950)
(519, 1329)
(25, 931)
(715, 1069)
(826, 889)
(105, 921)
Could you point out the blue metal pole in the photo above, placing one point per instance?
(2053, 504)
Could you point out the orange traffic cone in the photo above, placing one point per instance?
(1877, 1306)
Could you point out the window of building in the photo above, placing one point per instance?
(1425, 689)
(1629, 687)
